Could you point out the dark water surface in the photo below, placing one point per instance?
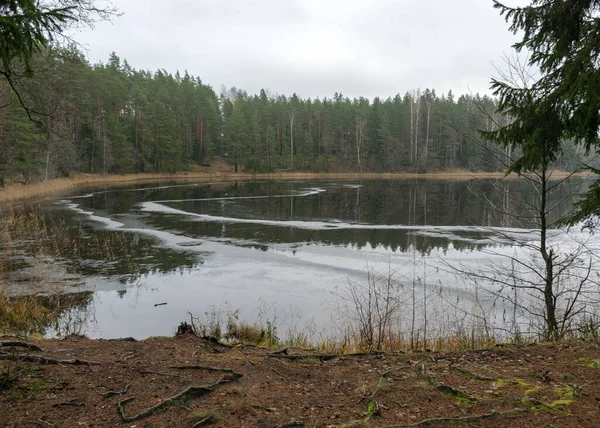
(282, 251)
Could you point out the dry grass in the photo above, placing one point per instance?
(23, 315)
(393, 343)
(14, 193)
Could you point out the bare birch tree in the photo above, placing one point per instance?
(292, 118)
(415, 108)
(359, 137)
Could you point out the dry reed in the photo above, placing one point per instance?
(15, 193)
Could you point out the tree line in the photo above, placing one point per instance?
(110, 118)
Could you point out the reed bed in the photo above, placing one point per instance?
(14, 193)
(17, 193)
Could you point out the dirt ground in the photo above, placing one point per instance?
(78, 382)
(217, 165)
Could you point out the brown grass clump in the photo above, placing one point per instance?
(203, 417)
(23, 315)
(26, 236)
(253, 334)
(13, 193)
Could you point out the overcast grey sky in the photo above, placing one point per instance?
(312, 47)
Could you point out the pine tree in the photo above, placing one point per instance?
(29, 26)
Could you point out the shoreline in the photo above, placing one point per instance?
(16, 193)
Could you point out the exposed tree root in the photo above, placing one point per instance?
(214, 341)
(74, 402)
(294, 357)
(473, 418)
(446, 389)
(482, 378)
(266, 409)
(535, 404)
(115, 392)
(45, 360)
(207, 368)
(283, 353)
(25, 345)
(473, 375)
(160, 373)
(192, 391)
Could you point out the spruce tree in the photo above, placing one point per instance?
(562, 39)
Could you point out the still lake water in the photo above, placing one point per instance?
(283, 251)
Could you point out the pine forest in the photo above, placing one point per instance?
(113, 119)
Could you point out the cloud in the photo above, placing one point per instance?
(311, 47)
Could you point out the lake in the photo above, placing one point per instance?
(142, 259)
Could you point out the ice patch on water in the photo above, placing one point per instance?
(501, 235)
(295, 194)
(108, 223)
(89, 195)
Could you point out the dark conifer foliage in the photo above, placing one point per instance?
(562, 102)
(106, 118)
(111, 118)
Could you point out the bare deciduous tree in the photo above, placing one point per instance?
(359, 137)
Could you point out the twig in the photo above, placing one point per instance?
(43, 423)
(279, 352)
(127, 355)
(266, 409)
(292, 424)
(277, 372)
(21, 345)
(29, 111)
(45, 360)
(433, 421)
(204, 421)
(188, 392)
(114, 392)
(280, 361)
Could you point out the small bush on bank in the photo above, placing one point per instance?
(252, 333)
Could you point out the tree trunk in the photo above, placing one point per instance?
(548, 257)
(292, 116)
(429, 107)
(359, 136)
